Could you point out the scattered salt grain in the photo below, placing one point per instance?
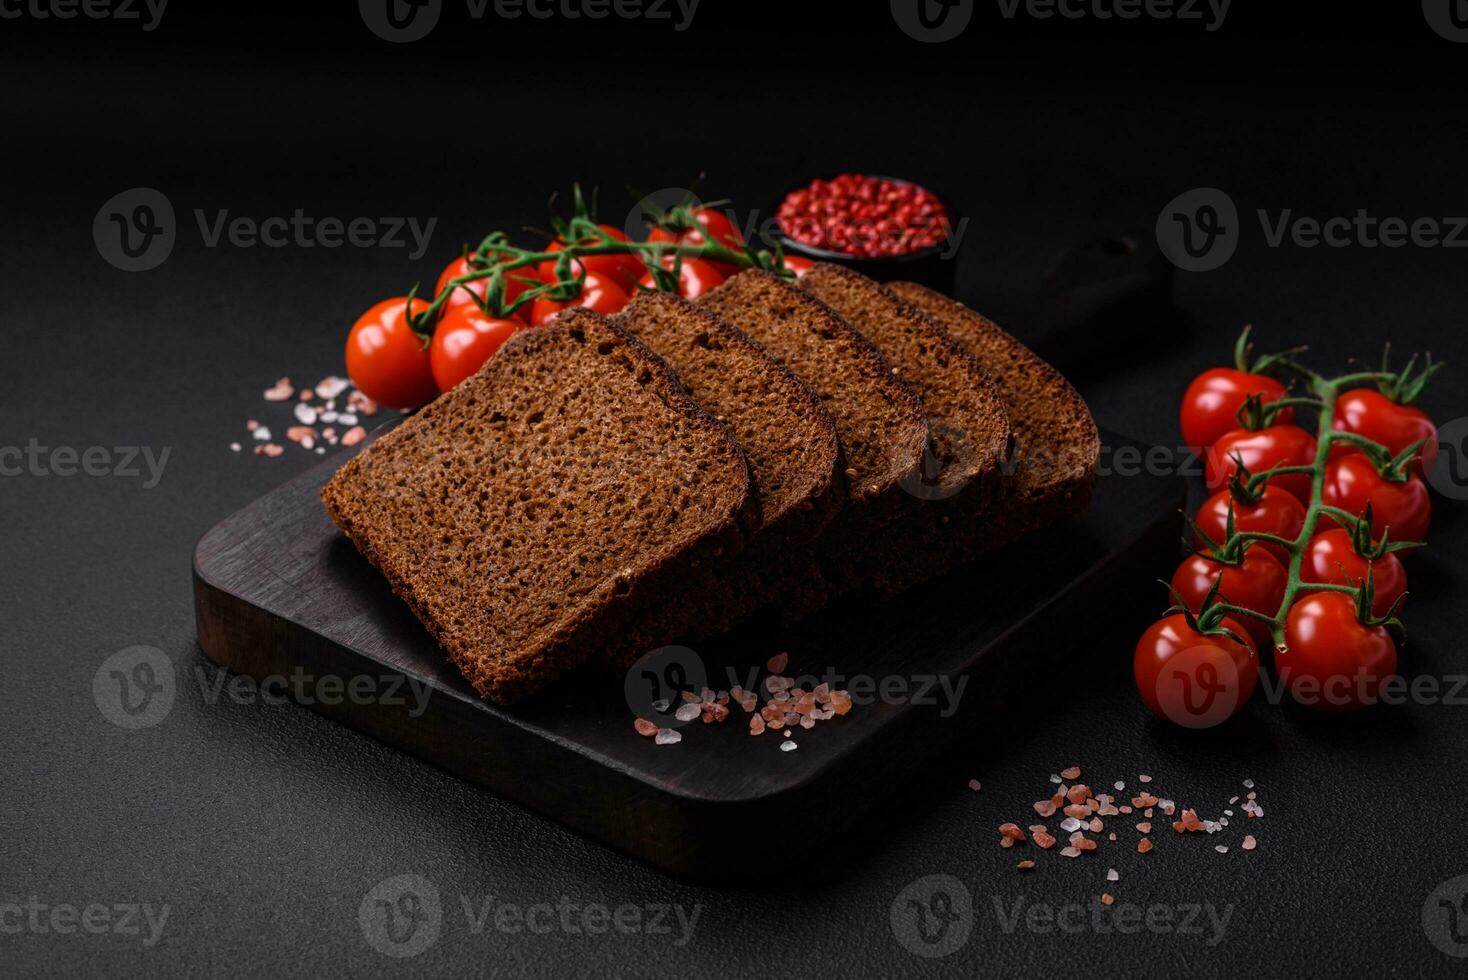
(787, 746)
(1249, 843)
(1118, 785)
(777, 663)
(330, 387)
(1069, 852)
(1025, 865)
(346, 418)
(645, 727)
(973, 784)
(1221, 848)
(662, 705)
(234, 447)
(1054, 778)
(1145, 779)
(668, 736)
(1069, 824)
(281, 390)
(1112, 874)
(353, 435)
(261, 433)
(687, 711)
(1248, 784)
(305, 414)
(1074, 772)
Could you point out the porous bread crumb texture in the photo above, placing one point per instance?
(1056, 441)
(970, 428)
(879, 419)
(517, 511)
(779, 422)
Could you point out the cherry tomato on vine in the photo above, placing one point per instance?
(1275, 445)
(715, 224)
(798, 264)
(1257, 582)
(1332, 661)
(695, 277)
(465, 295)
(1367, 412)
(1332, 559)
(1212, 401)
(387, 360)
(597, 293)
(1276, 512)
(464, 339)
(1194, 679)
(623, 268)
(1402, 507)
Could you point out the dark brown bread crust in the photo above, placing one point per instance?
(879, 419)
(1049, 475)
(963, 476)
(1057, 445)
(778, 420)
(545, 502)
(792, 448)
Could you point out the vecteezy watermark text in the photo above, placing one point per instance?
(404, 21)
(403, 916)
(147, 12)
(1193, 919)
(1200, 229)
(136, 688)
(127, 462)
(38, 917)
(1211, 12)
(136, 230)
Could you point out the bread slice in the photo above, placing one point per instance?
(970, 434)
(1057, 446)
(879, 419)
(778, 420)
(791, 445)
(527, 513)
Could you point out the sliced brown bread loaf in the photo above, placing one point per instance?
(530, 511)
(970, 434)
(879, 419)
(1057, 446)
(778, 420)
(793, 453)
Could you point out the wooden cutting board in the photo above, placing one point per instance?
(279, 593)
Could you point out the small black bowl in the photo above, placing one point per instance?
(932, 267)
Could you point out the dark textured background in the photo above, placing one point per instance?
(263, 827)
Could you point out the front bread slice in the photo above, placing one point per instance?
(527, 514)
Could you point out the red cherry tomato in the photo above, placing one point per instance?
(386, 360)
(695, 277)
(1367, 412)
(623, 269)
(798, 264)
(1194, 679)
(464, 340)
(466, 294)
(1257, 583)
(597, 293)
(1212, 402)
(1332, 559)
(1331, 661)
(713, 223)
(1275, 445)
(1404, 508)
(1277, 512)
